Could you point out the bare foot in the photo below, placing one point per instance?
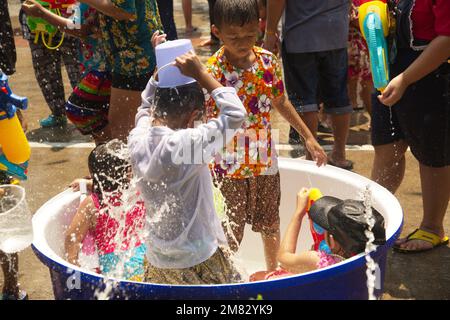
(341, 163)
(191, 30)
(418, 244)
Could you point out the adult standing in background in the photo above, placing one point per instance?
(165, 8)
(187, 11)
(314, 51)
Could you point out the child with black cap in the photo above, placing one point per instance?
(345, 224)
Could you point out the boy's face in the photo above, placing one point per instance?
(238, 40)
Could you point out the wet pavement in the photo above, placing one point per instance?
(59, 156)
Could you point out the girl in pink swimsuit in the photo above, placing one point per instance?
(344, 224)
(117, 224)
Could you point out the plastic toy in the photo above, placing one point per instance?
(15, 170)
(374, 24)
(40, 27)
(13, 142)
(317, 232)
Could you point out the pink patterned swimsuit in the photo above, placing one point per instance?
(325, 260)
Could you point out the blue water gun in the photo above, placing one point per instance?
(374, 23)
(14, 144)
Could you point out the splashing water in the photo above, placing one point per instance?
(16, 231)
(223, 212)
(372, 266)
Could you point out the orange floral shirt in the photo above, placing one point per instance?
(251, 153)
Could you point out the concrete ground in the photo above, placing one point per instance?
(53, 167)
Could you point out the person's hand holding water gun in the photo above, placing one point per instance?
(34, 9)
(436, 53)
(302, 203)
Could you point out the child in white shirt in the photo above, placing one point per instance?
(170, 159)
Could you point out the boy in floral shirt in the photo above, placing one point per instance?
(246, 170)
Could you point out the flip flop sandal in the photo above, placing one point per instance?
(348, 166)
(418, 234)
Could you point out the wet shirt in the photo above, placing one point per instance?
(128, 42)
(182, 225)
(315, 25)
(252, 152)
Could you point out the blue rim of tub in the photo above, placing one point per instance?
(280, 283)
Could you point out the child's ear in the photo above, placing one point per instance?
(331, 241)
(215, 31)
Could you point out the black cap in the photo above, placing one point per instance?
(346, 221)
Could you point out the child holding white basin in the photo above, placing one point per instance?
(345, 228)
(116, 234)
(185, 237)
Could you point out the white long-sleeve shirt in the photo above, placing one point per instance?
(183, 227)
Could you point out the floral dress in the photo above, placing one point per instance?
(251, 153)
(358, 53)
(128, 43)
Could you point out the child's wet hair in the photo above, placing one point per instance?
(235, 12)
(178, 102)
(109, 167)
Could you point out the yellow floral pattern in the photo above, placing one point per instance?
(127, 43)
(250, 154)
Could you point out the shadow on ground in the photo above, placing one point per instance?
(408, 275)
(67, 134)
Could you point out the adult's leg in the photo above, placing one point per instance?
(122, 112)
(333, 70)
(10, 267)
(70, 50)
(47, 68)
(166, 13)
(213, 39)
(187, 11)
(435, 184)
(301, 76)
(389, 164)
(352, 88)
(366, 94)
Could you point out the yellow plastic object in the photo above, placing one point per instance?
(13, 141)
(314, 194)
(378, 7)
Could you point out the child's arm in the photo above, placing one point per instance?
(287, 110)
(275, 9)
(110, 9)
(35, 9)
(289, 260)
(82, 222)
(206, 139)
(436, 53)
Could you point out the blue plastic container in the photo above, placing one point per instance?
(345, 280)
